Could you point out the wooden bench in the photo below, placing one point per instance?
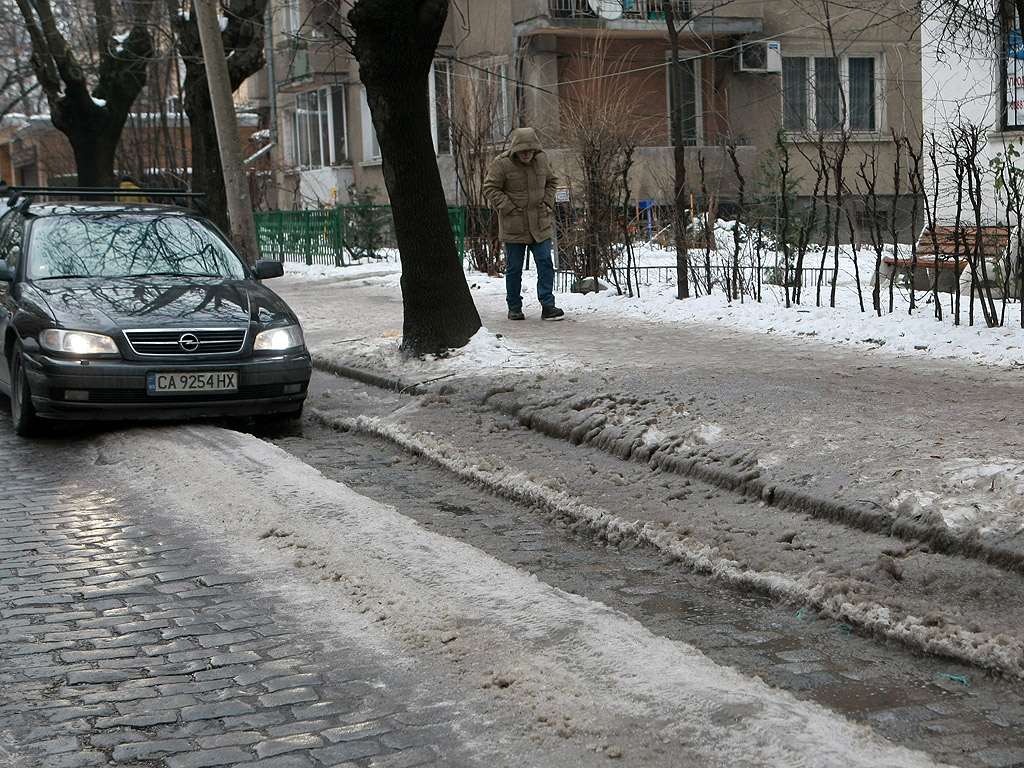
(948, 251)
(927, 262)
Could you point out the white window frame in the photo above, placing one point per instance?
(495, 97)
(291, 20)
(317, 140)
(441, 111)
(813, 122)
(690, 57)
(1013, 73)
(371, 147)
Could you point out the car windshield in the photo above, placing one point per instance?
(128, 245)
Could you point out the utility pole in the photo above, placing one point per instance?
(243, 228)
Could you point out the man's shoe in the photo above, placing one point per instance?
(516, 314)
(551, 313)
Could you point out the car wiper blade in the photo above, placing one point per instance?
(176, 274)
(65, 277)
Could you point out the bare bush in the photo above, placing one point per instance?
(601, 135)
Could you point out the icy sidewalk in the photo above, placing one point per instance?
(528, 674)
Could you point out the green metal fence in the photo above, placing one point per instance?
(337, 236)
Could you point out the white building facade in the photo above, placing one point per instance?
(973, 116)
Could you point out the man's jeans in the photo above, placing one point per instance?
(515, 255)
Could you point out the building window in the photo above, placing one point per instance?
(291, 21)
(1013, 93)
(371, 147)
(495, 100)
(441, 99)
(826, 94)
(318, 123)
(862, 94)
(686, 92)
(794, 93)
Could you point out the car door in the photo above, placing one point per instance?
(11, 232)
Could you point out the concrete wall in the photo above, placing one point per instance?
(961, 91)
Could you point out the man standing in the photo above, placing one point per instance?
(521, 187)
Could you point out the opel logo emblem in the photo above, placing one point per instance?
(189, 342)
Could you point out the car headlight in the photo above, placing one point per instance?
(79, 343)
(278, 339)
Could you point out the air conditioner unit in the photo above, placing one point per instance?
(759, 56)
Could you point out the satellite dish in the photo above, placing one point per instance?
(607, 9)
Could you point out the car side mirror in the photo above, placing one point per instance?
(266, 268)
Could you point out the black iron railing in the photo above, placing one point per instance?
(648, 276)
(647, 10)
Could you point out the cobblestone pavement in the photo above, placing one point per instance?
(122, 643)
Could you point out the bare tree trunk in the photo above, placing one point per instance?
(841, 210)
(959, 249)
(741, 186)
(870, 180)
(679, 158)
(622, 175)
(783, 206)
(394, 45)
(916, 183)
(897, 187)
(975, 138)
(808, 228)
(92, 121)
(825, 169)
(931, 218)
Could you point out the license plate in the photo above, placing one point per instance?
(206, 381)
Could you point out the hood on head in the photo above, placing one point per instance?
(523, 139)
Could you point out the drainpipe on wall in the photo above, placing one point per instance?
(518, 75)
(271, 89)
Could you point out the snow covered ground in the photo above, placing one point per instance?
(899, 332)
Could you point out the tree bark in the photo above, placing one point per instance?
(395, 42)
(679, 159)
(92, 120)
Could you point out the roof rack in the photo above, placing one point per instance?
(26, 195)
(100, 191)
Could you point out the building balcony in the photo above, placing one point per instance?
(643, 10)
(643, 17)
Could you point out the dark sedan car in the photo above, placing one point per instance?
(141, 311)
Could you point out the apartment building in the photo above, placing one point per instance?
(746, 72)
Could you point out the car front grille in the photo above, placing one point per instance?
(206, 341)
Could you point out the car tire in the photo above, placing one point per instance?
(282, 417)
(295, 415)
(23, 413)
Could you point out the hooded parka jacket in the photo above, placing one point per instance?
(522, 193)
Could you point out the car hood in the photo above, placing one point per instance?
(106, 305)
